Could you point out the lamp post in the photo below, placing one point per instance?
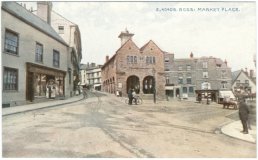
(154, 85)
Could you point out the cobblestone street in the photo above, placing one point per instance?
(104, 126)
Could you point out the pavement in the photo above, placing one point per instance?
(232, 129)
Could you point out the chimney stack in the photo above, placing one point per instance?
(226, 62)
(251, 73)
(107, 58)
(44, 9)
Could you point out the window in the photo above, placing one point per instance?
(188, 67)
(11, 42)
(56, 58)
(184, 89)
(39, 52)
(246, 81)
(204, 65)
(180, 68)
(223, 74)
(10, 79)
(191, 90)
(61, 29)
(167, 80)
(205, 75)
(224, 84)
(131, 59)
(150, 60)
(180, 79)
(166, 59)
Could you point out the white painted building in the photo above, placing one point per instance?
(91, 75)
(243, 83)
(70, 32)
(34, 58)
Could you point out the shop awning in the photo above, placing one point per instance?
(223, 94)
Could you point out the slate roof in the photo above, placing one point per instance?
(26, 16)
(235, 75)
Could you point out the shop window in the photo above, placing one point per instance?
(11, 42)
(10, 79)
(39, 52)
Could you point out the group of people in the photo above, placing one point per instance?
(131, 96)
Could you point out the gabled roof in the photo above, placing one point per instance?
(26, 16)
(236, 74)
(150, 41)
(129, 40)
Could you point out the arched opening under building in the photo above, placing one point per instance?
(148, 85)
(133, 82)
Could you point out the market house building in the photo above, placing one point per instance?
(136, 68)
(34, 58)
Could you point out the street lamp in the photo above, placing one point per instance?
(154, 85)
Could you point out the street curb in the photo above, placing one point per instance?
(220, 129)
(29, 110)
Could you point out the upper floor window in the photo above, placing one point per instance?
(180, 79)
(56, 58)
(10, 79)
(189, 79)
(131, 59)
(204, 64)
(11, 42)
(188, 67)
(246, 81)
(223, 74)
(61, 29)
(180, 68)
(205, 75)
(224, 84)
(150, 60)
(167, 80)
(39, 52)
(166, 59)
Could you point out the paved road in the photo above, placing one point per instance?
(104, 126)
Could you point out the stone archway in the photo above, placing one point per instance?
(148, 85)
(133, 82)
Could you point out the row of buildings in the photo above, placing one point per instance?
(149, 70)
(41, 54)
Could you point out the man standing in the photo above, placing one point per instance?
(243, 115)
(130, 96)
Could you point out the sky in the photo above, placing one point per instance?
(225, 30)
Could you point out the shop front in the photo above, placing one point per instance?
(44, 82)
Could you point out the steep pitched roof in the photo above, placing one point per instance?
(147, 44)
(26, 16)
(235, 75)
(129, 40)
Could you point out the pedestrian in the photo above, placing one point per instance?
(84, 91)
(134, 96)
(243, 115)
(130, 96)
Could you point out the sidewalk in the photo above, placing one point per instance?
(234, 130)
(34, 106)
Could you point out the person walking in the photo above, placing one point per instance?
(243, 115)
(130, 96)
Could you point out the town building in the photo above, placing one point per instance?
(91, 75)
(187, 77)
(70, 33)
(243, 83)
(35, 59)
(131, 67)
